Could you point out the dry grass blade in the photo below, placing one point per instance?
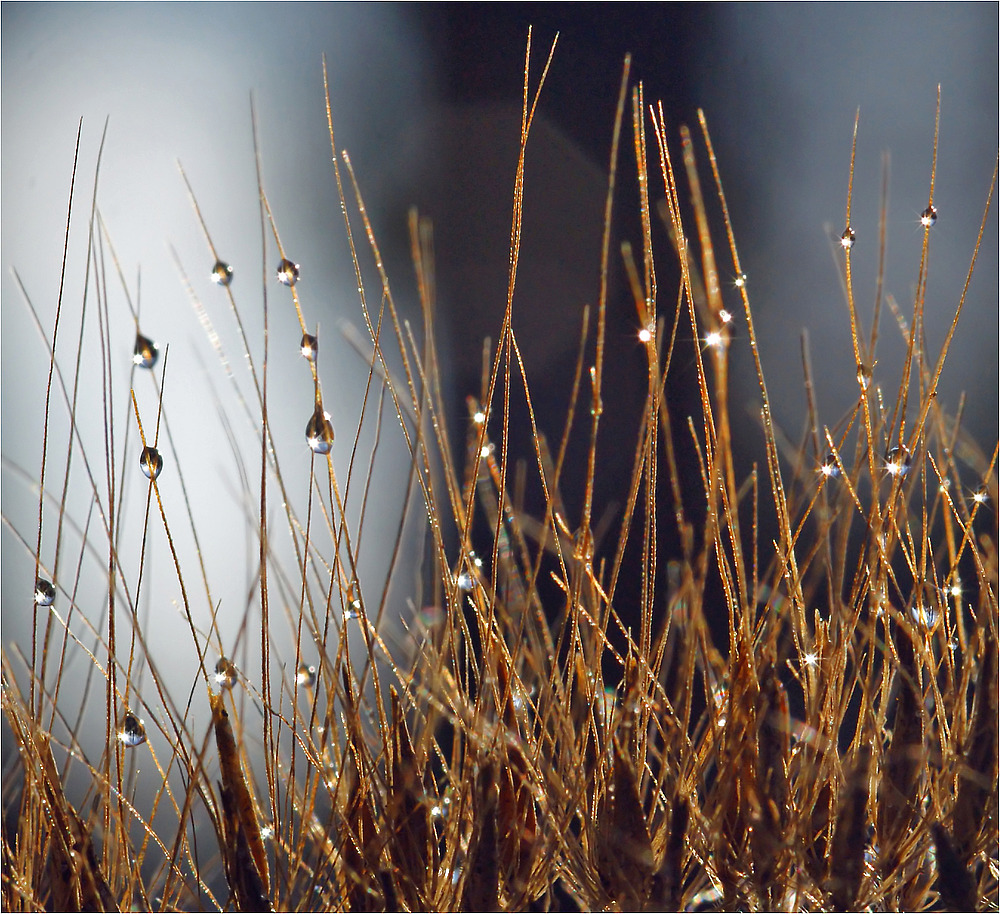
(762, 675)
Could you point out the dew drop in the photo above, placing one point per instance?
(309, 347)
(150, 462)
(847, 239)
(929, 216)
(479, 417)
(464, 581)
(222, 273)
(864, 375)
(352, 606)
(725, 316)
(898, 461)
(923, 615)
(45, 592)
(146, 352)
(225, 673)
(740, 281)
(288, 273)
(981, 496)
(319, 431)
(830, 468)
(306, 676)
(133, 731)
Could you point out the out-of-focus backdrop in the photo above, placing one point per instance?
(427, 100)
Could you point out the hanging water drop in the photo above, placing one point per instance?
(830, 468)
(150, 462)
(897, 461)
(352, 605)
(309, 347)
(306, 676)
(146, 351)
(929, 216)
(847, 239)
(288, 273)
(319, 431)
(864, 375)
(133, 730)
(981, 496)
(45, 592)
(222, 273)
(225, 673)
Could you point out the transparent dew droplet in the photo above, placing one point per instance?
(319, 431)
(306, 676)
(898, 461)
(146, 352)
(45, 592)
(464, 581)
(352, 605)
(225, 673)
(740, 281)
(981, 496)
(830, 468)
(133, 730)
(864, 375)
(150, 462)
(288, 273)
(309, 347)
(847, 239)
(929, 216)
(222, 273)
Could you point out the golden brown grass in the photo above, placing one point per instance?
(530, 744)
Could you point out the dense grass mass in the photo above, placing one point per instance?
(803, 720)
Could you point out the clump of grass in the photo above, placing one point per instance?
(528, 742)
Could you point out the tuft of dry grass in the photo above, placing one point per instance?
(526, 742)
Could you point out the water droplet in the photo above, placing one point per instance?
(225, 673)
(648, 333)
(319, 431)
(981, 496)
(864, 375)
(929, 216)
(740, 281)
(309, 347)
(266, 833)
(479, 417)
(847, 239)
(898, 461)
(306, 676)
(222, 273)
(830, 468)
(288, 273)
(464, 581)
(725, 316)
(810, 658)
(715, 340)
(133, 730)
(146, 352)
(923, 615)
(45, 592)
(352, 605)
(150, 462)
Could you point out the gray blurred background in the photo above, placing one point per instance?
(427, 98)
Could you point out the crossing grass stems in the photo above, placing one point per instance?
(521, 745)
